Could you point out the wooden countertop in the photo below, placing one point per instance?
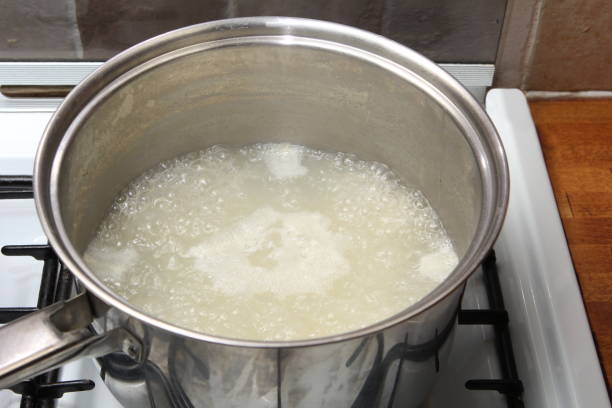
(576, 137)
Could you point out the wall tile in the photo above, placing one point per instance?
(38, 30)
(110, 26)
(446, 30)
(573, 47)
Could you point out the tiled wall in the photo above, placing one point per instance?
(444, 30)
(556, 45)
(545, 44)
(38, 29)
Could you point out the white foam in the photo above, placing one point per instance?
(271, 252)
(110, 262)
(271, 241)
(437, 265)
(284, 160)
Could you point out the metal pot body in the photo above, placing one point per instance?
(237, 82)
(395, 367)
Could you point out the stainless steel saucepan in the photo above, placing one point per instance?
(237, 82)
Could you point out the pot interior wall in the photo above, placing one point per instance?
(237, 95)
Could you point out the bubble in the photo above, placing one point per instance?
(271, 241)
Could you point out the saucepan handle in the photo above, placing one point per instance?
(53, 336)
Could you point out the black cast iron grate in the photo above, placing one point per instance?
(510, 384)
(57, 282)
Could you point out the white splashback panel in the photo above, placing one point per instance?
(554, 349)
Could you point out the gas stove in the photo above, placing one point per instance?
(523, 337)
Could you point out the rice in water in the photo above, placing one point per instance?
(271, 242)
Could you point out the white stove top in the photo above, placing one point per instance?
(552, 341)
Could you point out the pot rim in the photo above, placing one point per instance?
(439, 84)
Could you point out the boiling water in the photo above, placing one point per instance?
(271, 241)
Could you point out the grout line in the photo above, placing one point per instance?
(231, 9)
(531, 41)
(76, 33)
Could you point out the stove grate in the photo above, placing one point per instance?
(16, 187)
(509, 385)
(57, 283)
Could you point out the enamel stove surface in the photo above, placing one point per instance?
(552, 342)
